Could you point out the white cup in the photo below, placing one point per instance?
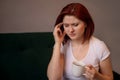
(78, 69)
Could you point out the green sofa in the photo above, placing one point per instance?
(25, 56)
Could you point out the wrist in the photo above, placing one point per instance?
(98, 75)
(57, 44)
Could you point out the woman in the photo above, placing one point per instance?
(74, 41)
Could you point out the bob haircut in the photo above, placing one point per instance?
(80, 12)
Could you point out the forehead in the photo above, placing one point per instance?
(70, 19)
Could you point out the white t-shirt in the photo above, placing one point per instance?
(97, 52)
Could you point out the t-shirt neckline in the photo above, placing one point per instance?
(85, 55)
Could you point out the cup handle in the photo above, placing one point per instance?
(85, 73)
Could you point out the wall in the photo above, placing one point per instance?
(18, 16)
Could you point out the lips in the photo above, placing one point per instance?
(71, 35)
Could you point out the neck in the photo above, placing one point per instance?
(79, 42)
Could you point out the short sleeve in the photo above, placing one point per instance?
(62, 49)
(104, 52)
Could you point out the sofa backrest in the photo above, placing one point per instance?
(25, 56)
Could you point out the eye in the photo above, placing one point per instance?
(75, 24)
(66, 25)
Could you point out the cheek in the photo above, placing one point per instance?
(81, 29)
(66, 31)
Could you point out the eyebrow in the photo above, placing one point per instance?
(71, 23)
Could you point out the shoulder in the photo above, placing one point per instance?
(99, 44)
(65, 46)
(100, 48)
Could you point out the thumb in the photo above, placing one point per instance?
(90, 66)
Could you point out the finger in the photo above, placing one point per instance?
(56, 31)
(88, 69)
(64, 33)
(59, 32)
(89, 66)
(59, 25)
(87, 75)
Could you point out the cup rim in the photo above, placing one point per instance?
(78, 63)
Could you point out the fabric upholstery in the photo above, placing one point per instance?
(25, 56)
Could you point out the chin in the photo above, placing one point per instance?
(73, 38)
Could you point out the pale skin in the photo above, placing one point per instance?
(75, 28)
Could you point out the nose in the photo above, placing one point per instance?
(71, 29)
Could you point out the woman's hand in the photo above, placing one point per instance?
(90, 72)
(58, 34)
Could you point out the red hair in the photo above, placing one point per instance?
(80, 12)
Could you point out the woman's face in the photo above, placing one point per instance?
(73, 27)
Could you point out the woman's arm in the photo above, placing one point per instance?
(105, 71)
(56, 65)
(55, 68)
